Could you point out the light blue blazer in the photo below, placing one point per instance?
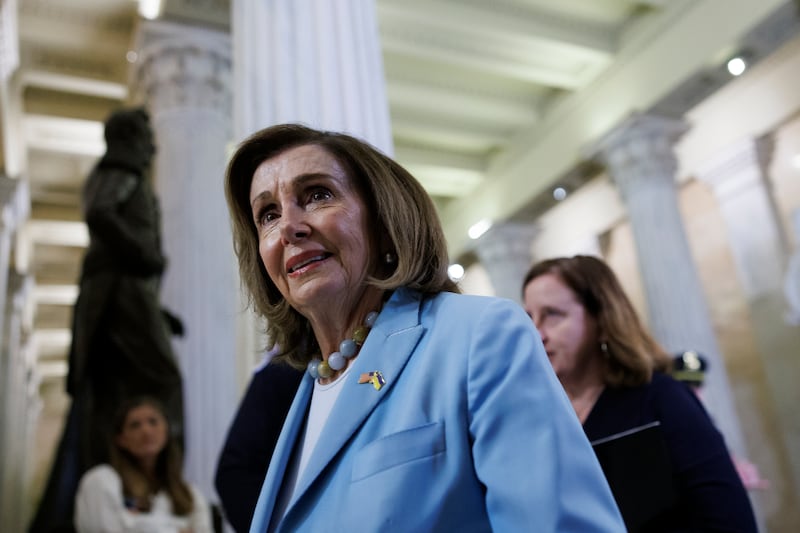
(471, 432)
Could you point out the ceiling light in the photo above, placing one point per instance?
(150, 9)
(479, 228)
(455, 271)
(736, 66)
(559, 193)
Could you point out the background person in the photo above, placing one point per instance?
(690, 367)
(141, 489)
(121, 344)
(612, 371)
(422, 409)
(251, 439)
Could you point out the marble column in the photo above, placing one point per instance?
(639, 156)
(791, 280)
(312, 61)
(505, 252)
(738, 177)
(182, 75)
(739, 181)
(9, 39)
(20, 405)
(330, 78)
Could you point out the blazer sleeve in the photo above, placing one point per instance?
(528, 447)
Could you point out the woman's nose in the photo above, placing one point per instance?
(293, 225)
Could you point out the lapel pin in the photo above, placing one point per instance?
(375, 377)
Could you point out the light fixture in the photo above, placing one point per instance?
(736, 66)
(559, 193)
(455, 271)
(150, 9)
(479, 228)
(131, 56)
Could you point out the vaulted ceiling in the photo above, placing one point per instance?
(491, 101)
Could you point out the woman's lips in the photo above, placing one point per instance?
(303, 260)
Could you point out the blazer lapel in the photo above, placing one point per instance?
(295, 420)
(387, 349)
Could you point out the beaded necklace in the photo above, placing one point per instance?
(348, 349)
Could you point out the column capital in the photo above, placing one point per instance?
(182, 67)
(746, 160)
(639, 149)
(505, 251)
(505, 240)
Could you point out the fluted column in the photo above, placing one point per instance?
(9, 39)
(182, 76)
(738, 178)
(640, 158)
(505, 252)
(20, 406)
(791, 281)
(330, 78)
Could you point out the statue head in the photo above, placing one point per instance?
(128, 135)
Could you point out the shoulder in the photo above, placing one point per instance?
(101, 478)
(197, 497)
(470, 305)
(665, 390)
(103, 473)
(682, 415)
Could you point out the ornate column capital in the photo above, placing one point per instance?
(506, 240)
(740, 165)
(505, 251)
(640, 150)
(182, 67)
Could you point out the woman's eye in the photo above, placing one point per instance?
(318, 195)
(265, 216)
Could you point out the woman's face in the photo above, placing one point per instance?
(144, 433)
(313, 229)
(569, 333)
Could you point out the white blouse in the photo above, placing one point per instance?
(99, 508)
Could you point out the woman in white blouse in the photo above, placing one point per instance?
(142, 489)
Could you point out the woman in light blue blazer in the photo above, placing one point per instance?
(422, 409)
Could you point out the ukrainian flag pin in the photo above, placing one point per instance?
(374, 377)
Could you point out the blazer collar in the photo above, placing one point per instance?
(387, 349)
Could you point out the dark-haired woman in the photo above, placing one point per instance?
(142, 489)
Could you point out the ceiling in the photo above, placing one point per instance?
(475, 88)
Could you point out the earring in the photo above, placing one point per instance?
(389, 258)
(604, 348)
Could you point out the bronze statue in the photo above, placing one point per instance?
(121, 334)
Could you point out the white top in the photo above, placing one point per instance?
(99, 508)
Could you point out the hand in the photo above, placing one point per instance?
(175, 324)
